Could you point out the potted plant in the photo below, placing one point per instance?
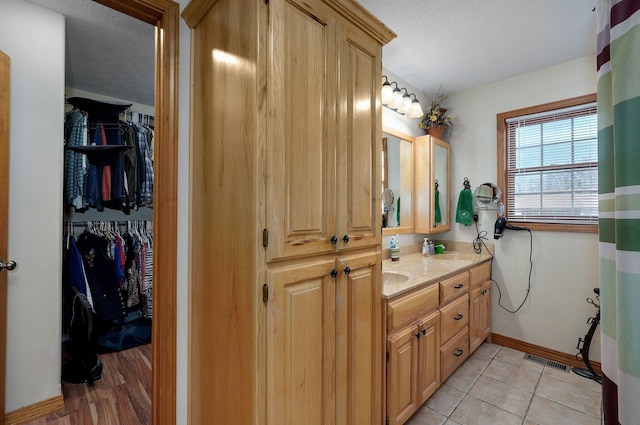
(435, 120)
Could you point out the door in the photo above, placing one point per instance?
(301, 349)
(302, 130)
(4, 214)
(429, 357)
(402, 376)
(359, 339)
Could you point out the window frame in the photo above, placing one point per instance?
(502, 140)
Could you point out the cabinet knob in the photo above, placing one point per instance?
(458, 353)
(459, 286)
(424, 332)
(458, 317)
(345, 239)
(334, 273)
(347, 270)
(334, 240)
(418, 335)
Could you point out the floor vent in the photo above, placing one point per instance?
(547, 362)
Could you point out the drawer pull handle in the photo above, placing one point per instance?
(458, 317)
(334, 240)
(458, 353)
(334, 273)
(347, 270)
(459, 286)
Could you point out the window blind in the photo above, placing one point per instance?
(552, 166)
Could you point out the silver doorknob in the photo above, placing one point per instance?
(9, 265)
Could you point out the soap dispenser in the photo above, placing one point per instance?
(425, 246)
(395, 249)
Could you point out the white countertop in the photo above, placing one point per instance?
(413, 270)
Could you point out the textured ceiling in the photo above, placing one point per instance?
(107, 52)
(453, 44)
(458, 44)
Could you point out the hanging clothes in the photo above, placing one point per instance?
(120, 176)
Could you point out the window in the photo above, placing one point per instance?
(548, 165)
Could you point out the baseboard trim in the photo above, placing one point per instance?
(537, 350)
(34, 411)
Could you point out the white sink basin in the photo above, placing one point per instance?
(390, 278)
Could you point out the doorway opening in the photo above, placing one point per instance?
(164, 15)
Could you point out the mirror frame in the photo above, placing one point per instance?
(388, 231)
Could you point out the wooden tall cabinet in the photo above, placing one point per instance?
(285, 314)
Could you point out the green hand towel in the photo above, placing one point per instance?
(464, 213)
(438, 218)
(398, 213)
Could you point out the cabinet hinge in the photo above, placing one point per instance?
(266, 1)
(387, 355)
(265, 238)
(386, 420)
(265, 293)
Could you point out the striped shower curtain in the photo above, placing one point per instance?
(619, 206)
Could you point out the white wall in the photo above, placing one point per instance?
(34, 39)
(565, 265)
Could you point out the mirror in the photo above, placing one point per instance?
(397, 182)
(388, 197)
(432, 187)
(441, 184)
(486, 196)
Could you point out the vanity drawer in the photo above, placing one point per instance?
(454, 317)
(480, 274)
(454, 287)
(453, 353)
(411, 306)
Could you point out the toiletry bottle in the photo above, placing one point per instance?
(425, 246)
(431, 248)
(395, 249)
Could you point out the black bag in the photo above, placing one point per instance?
(84, 364)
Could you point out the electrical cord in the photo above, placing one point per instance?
(478, 242)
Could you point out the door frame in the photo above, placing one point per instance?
(164, 15)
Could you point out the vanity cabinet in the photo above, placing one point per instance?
(286, 147)
(413, 366)
(431, 331)
(432, 167)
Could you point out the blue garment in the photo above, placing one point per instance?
(75, 268)
(75, 128)
(94, 177)
(144, 165)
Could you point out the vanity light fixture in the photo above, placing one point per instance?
(404, 104)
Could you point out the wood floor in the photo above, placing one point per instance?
(121, 397)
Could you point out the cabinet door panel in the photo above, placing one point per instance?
(476, 326)
(302, 133)
(359, 148)
(402, 376)
(429, 359)
(360, 341)
(301, 345)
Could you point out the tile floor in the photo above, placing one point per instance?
(497, 386)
